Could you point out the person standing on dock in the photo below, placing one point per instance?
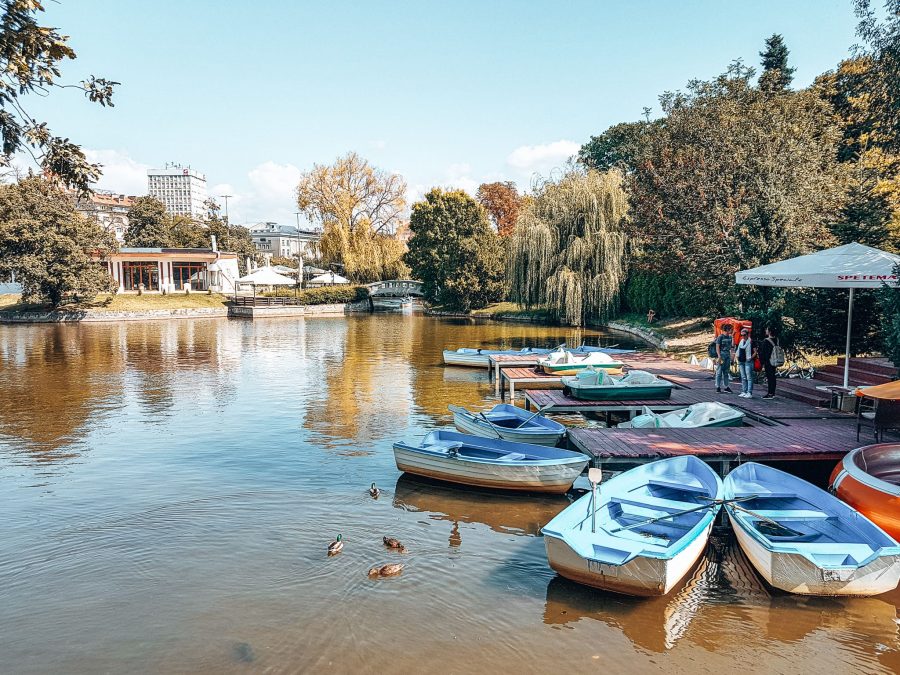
(724, 347)
(746, 353)
(766, 350)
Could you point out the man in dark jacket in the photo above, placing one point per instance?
(765, 355)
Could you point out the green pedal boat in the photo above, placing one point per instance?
(598, 385)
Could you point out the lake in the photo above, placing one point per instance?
(168, 491)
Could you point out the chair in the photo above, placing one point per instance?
(883, 416)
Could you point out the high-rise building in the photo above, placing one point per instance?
(181, 189)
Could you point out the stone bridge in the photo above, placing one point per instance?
(395, 288)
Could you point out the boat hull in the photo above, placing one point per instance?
(614, 393)
(875, 498)
(643, 576)
(524, 478)
(470, 360)
(467, 425)
(795, 573)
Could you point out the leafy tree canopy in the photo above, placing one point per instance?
(568, 251)
(889, 300)
(52, 249)
(361, 212)
(777, 75)
(615, 148)
(31, 56)
(455, 252)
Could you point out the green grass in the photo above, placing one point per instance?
(123, 303)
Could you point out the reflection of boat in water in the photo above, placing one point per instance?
(507, 514)
(392, 304)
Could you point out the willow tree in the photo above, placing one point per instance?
(568, 250)
(360, 209)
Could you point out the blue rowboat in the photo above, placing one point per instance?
(509, 423)
(652, 524)
(803, 540)
(490, 462)
(466, 356)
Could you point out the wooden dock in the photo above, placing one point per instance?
(497, 362)
(523, 376)
(784, 429)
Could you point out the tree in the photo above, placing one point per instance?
(30, 57)
(889, 302)
(882, 47)
(149, 224)
(502, 202)
(733, 179)
(616, 147)
(454, 251)
(360, 209)
(52, 249)
(777, 75)
(231, 238)
(568, 251)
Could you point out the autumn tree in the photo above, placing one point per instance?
(360, 209)
(502, 202)
(455, 252)
(615, 148)
(31, 58)
(568, 251)
(50, 248)
(880, 33)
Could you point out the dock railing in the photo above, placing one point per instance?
(264, 301)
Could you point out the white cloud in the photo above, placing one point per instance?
(272, 181)
(538, 157)
(121, 173)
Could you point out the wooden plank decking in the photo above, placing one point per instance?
(520, 376)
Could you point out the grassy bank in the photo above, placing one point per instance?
(122, 303)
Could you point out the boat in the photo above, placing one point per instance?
(598, 385)
(564, 362)
(465, 356)
(709, 414)
(803, 540)
(490, 462)
(652, 525)
(868, 479)
(509, 423)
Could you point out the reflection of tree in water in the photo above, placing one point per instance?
(366, 384)
(57, 380)
(54, 379)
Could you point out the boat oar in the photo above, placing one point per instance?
(713, 502)
(594, 476)
(790, 531)
(538, 412)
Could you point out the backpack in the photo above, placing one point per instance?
(711, 350)
(777, 357)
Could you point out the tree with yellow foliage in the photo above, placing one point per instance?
(360, 209)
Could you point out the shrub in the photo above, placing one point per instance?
(326, 295)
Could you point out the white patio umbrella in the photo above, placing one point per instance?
(329, 278)
(266, 276)
(850, 266)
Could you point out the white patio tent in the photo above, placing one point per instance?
(266, 276)
(850, 266)
(328, 279)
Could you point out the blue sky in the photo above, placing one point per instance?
(445, 93)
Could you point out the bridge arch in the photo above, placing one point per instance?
(395, 288)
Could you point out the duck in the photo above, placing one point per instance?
(390, 542)
(374, 491)
(389, 570)
(336, 546)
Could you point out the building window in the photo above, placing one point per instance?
(136, 273)
(189, 273)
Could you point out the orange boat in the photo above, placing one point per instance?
(868, 479)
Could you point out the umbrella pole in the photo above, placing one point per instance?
(847, 350)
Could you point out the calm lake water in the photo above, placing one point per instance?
(168, 491)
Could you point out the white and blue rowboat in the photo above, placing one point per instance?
(649, 527)
(509, 423)
(490, 462)
(466, 356)
(710, 414)
(803, 540)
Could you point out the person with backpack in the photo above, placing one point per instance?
(746, 353)
(772, 355)
(724, 345)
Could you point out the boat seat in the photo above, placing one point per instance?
(653, 502)
(445, 445)
(780, 515)
(681, 487)
(512, 457)
(748, 488)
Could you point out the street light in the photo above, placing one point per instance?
(226, 198)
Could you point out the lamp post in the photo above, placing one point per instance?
(226, 198)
